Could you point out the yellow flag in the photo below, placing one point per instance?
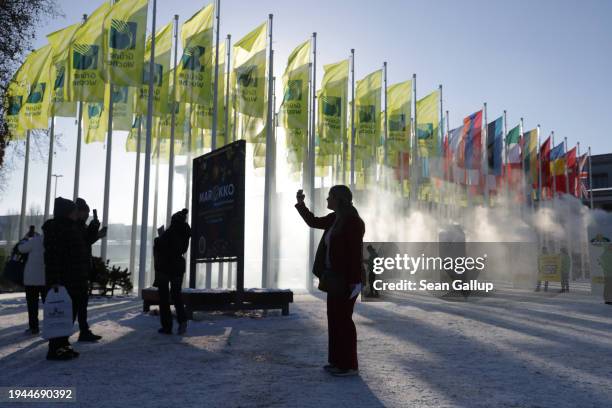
(124, 42)
(85, 74)
(250, 69)
(194, 69)
(294, 109)
(399, 99)
(428, 119)
(367, 117)
(161, 80)
(14, 99)
(95, 122)
(60, 41)
(123, 107)
(35, 112)
(332, 108)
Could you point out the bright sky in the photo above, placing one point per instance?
(548, 61)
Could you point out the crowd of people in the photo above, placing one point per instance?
(62, 256)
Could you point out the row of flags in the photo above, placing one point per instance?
(103, 65)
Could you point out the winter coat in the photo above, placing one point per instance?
(346, 244)
(34, 270)
(170, 248)
(66, 256)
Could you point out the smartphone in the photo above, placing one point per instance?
(95, 213)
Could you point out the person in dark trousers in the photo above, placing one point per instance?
(169, 263)
(33, 276)
(566, 264)
(66, 264)
(90, 234)
(339, 254)
(539, 285)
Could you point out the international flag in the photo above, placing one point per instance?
(557, 167)
(545, 163)
(571, 162)
(530, 155)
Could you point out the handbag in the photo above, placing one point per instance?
(13, 271)
(333, 283)
(57, 320)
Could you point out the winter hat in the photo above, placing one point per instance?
(82, 204)
(63, 207)
(180, 217)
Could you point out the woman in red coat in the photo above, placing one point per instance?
(338, 265)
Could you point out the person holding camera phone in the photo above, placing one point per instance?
(90, 233)
(339, 266)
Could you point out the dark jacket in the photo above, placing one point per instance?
(66, 255)
(169, 249)
(346, 244)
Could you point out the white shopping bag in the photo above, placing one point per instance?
(57, 321)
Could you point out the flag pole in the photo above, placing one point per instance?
(554, 178)
(583, 229)
(415, 149)
(567, 191)
(590, 181)
(442, 190)
(352, 178)
(506, 165)
(484, 156)
(24, 191)
(77, 166)
(522, 145)
(311, 157)
(213, 143)
(449, 169)
(155, 197)
(173, 112)
(539, 152)
(268, 187)
(109, 148)
(228, 42)
(135, 204)
(147, 165)
(49, 167)
(386, 127)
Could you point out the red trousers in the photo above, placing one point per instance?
(342, 332)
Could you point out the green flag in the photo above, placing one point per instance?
(161, 79)
(294, 108)
(85, 79)
(250, 69)
(428, 119)
(194, 69)
(124, 37)
(60, 41)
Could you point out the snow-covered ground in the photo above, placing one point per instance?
(513, 349)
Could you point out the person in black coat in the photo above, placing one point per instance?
(90, 234)
(66, 264)
(169, 262)
(339, 260)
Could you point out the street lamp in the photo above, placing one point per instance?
(56, 177)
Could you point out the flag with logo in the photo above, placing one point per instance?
(195, 67)
(95, 122)
(14, 99)
(250, 70)
(123, 106)
(60, 41)
(161, 70)
(428, 119)
(85, 59)
(398, 121)
(37, 74)
(124, 42)
(332, 113)
(294, 107)
(367, 118)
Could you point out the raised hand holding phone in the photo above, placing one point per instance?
(300, 196)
